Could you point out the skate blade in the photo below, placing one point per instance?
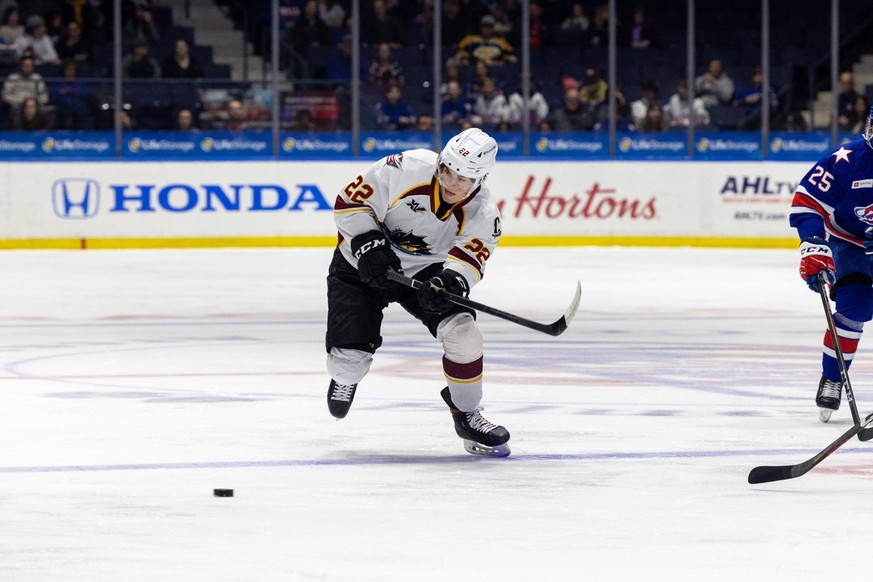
(475, 448)
(824, 414)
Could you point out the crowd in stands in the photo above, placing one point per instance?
(481, 83)
(55, 55)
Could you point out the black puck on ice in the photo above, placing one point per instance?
(223, 492)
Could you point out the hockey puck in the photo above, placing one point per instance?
(223, 492)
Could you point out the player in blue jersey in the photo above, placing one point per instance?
(833, 214)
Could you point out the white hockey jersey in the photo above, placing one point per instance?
(399, 195)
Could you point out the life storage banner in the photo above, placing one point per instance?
(283, 203)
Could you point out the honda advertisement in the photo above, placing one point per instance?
(291, 203)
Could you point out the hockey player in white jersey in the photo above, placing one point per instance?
(431, 217)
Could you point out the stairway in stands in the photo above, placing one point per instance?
(213, 28)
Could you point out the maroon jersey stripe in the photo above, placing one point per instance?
(462, 256)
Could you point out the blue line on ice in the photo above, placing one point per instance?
(791, 455)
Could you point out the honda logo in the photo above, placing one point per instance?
(76, 197)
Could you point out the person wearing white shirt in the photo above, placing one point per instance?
(37, 42)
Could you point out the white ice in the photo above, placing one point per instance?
(133, 383)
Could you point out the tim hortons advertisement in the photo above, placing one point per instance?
(540, 201)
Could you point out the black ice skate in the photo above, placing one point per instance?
(339, 398)
(828, 398)
(480, 436)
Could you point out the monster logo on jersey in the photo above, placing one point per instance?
(407, 242)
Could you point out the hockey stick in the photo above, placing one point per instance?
(767, 474)
(555, 329)
(838, 350)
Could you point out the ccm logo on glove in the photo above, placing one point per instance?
(815, 258)
(375, 257)
(369, 246)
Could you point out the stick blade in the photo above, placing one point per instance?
(768, 474)
(574, 305)
(560, 326)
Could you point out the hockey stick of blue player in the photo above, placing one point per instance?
(555, 329)
(838, 350)
(766, 474)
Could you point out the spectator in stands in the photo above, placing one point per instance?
(846, 101)
(236, 116)
(455, 25)
(382, 27)
(81, 12)
(540, 30)
(455, 108)
(73, 46)
(682, 113)
(749, 99)
(386, 70)
(598, 31)
(393, 113)
(862, 109)
(485, 46)
(10, 27)
(655, 120)
(309, 30)
(97, 29)
(37, 43)
(623, 121)
(303, 121)
(538, 107)
(481, 71)
(54, 26)
(28, 117)
(641, 105)
(576, 20)
(185, 120)
(141, 24)
(504, 27)
(140, 64)
(180, 64)
(334, 16)
(593, 91)
(573, 115)
(490, 107)
(232, 118)
(425, 123)
(513, 11)
(126, 119)
(402, 11)
(22, 84)
(340, 65)
(452, 73)
(714, 86)
(72, 100)
(642, 34)
(423, 23)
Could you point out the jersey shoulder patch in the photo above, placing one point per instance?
(394, 160)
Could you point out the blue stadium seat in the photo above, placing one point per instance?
(726, 117)
(216, 71)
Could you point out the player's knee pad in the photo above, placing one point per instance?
(348, 366)
(854, 297)
(461, 338)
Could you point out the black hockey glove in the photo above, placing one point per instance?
(375, 257)
(430, 295)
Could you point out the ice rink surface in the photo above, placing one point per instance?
(133, 383)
